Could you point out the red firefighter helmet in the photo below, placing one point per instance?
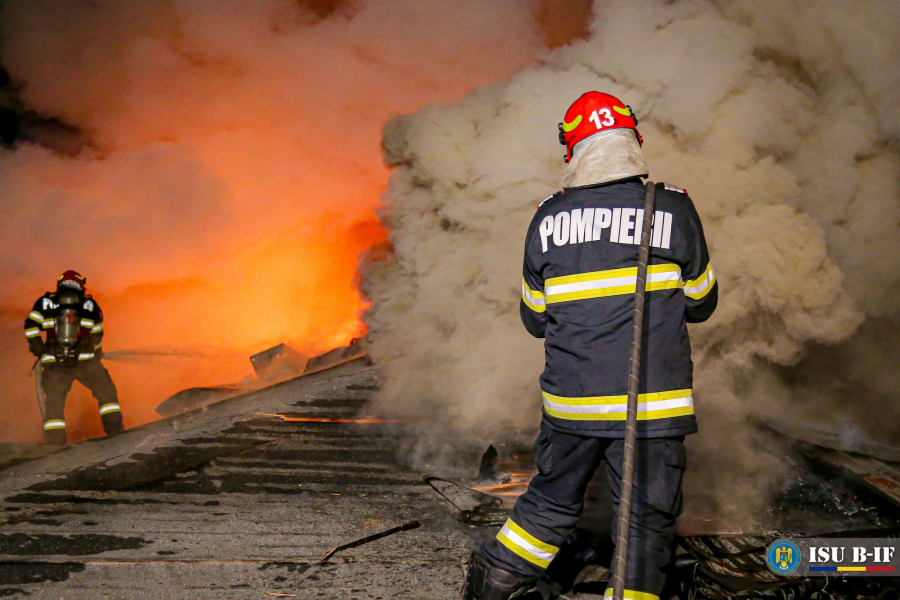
(73, 280)
(592, 113)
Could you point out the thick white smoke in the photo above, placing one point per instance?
(782, 119)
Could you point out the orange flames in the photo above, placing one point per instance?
(508, 492)
(294, 290)
(228, 173)
(270, 260)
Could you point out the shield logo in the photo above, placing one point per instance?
(783, 556)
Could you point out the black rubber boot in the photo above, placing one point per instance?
(55, 437)
(486, 582)
(112, 423)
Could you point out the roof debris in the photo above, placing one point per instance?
(838, 487)
(475, 508)
(275, 365)
(370, 538)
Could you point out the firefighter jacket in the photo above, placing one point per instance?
(578, 289)
(42, 318)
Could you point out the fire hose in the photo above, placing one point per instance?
(37, 369)
(624, 516)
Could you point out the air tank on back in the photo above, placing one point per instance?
(68, 325)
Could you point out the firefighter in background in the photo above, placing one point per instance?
(73, 324)
(578, 287)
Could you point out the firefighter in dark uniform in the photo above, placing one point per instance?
(578, 287)
(73, 324)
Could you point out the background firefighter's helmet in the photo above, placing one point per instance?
(593, 113)
(71, 280)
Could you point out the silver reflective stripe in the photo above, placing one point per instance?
(621, 408)
(613, 282)
(533, 299)
(108, 408)
(54, 424)
(594, 284)
(698, 288)
(525, 545)
(655, 405)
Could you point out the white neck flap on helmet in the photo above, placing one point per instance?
(605, 157)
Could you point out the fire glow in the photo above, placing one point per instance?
(362, 421)
(223, 174)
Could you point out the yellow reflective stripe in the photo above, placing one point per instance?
(619, 399)
(614, 282)
(630, 595)
(54, 424)
(516, 549)
(108, 408)
(567, 127)
(597, 284)
(655, 405)
(36, 316)
(621, 416)
(48, 358)
(86, 356)
(97, 328)
(662, 277)
(30, 333)
(88, 323)
(543, 546)
(697, 289)
(533, 299)
(525, 545)
(49, 323)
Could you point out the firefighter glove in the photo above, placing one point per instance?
(37, 346)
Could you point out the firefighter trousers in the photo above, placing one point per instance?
(56, 382)
(546, 515)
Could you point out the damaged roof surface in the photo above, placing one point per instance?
(231, 499)
(227, 501)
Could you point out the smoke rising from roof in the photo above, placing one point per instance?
(227, 167)
(782, 119)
